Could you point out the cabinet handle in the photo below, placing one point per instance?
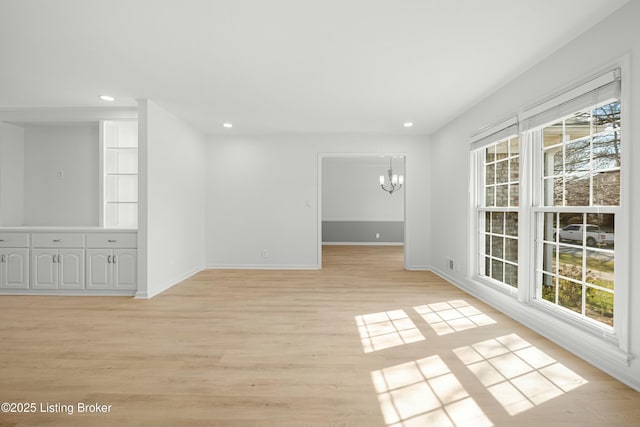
(108, 259)
(111, 241)
(56, 240)
(3, 258)
(54, 259)
(1, 240)
(114, 259)
(60, 259)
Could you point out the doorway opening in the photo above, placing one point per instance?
(355, 214)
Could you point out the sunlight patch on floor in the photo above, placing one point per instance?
(452, 316)
(386, 329)
(517, 374)
(425, 392)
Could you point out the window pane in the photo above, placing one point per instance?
(599, 306)
(511, 223)
(600, 266)
(549, 258)
(514, 169)
(553, 161)
(577, 156)
(491, 174)
(497, 223)
(514, 146)
(502, 195)
(570, 295)
(511, 275)
(606, 118)
(605, 224)
(490, 196)
(514, 195)
(497, 244)
(496, 270)
(578, 126)
(553, 192)
(502, 172)
(487, 222)
(490, 154)
(552, 134)
(549, 288)
(550, 227)
(511, 250)
(502, 150)
(606, 151)
(606, 188)
(570, 262)
(576, 191)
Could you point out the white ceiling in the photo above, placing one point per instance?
(276, 66)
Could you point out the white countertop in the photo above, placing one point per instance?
(51, 229)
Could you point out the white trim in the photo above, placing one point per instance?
(584, 344)
(321, 157)
(262, 267)
(418, 268)
(363, 243)
(170, 284)
(360, 220)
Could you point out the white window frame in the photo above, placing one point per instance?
(530, 182)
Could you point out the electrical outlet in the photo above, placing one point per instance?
(377, 235)
(452, 265)
(265, 253)
(60, 175)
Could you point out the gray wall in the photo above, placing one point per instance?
(362, 231)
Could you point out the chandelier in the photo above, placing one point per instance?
(394, 182)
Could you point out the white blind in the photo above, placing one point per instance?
(597, 91)
(494, 133)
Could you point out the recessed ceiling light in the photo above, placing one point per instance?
(107, 98)
(227, 125)
(408, 124)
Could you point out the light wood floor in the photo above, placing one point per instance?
(360, 343)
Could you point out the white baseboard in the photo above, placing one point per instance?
(363, 243)
(263, 267)
(168, 284)
(602, 354)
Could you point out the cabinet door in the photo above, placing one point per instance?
(71, 269)
(44, 271)
(125, 271)
(15, 268)
(99, 271)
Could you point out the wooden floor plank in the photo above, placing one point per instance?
(348, 345)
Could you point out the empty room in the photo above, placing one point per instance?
(319, 213)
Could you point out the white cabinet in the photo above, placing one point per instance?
(14, 268)
(14, 260)
(57, 268)
(72, 261)
(111, 268)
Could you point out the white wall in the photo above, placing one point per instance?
(262, 193)
(606, 43)
(351, 190)
(72, 200)
(11, 175)
(172, 205)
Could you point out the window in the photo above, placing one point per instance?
(580, 172)
(497, 214)
(548, 198)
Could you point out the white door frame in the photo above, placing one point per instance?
(322, 156)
